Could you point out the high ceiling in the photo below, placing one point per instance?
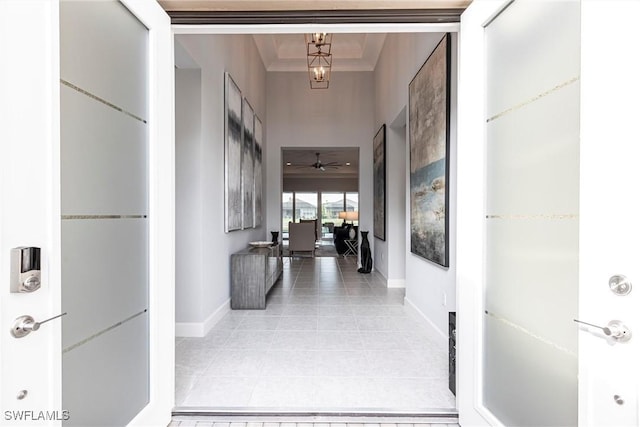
(351, 52)
(287, 52)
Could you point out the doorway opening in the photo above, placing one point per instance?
(331, 339)
(320, 185)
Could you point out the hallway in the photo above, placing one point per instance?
(330, 339)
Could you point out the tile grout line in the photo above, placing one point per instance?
(365, 351)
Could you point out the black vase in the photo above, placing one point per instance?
(365, 254)
(274, 238)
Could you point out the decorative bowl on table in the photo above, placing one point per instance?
(261, 244)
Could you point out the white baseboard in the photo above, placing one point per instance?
(392, 283)
(396, 283)
(201, 329)
(418, 313)
(189, 329)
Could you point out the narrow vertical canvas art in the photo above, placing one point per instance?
(247, 165)
(257, 161)
(429, 156)
(379, 184)
(232, 155)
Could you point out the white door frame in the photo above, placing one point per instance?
(30, 134)
(471, 207)
(609, 208)
(29, 153)
(161, 214)
(30, 201)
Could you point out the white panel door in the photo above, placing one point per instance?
(100, 206)
(104, 153)
(546, 216)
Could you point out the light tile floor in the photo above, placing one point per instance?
(330, 338)
(206, 423)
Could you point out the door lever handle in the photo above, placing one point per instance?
(23, 325)
(614, 329)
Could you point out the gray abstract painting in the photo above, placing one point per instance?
(248, 144)
(379, 184)
(233, 155)
(257, 172)
(429, 157)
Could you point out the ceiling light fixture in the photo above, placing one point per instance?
(319, 38)
(319, 59)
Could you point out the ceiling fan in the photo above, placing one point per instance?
(319, 165)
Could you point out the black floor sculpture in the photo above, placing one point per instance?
(365, 254)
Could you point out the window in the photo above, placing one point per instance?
(332, 205)
(306, 206)
(325, 206)
(287, 213)
(351, 203)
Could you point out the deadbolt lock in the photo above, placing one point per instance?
(25, 269)
(620, 285)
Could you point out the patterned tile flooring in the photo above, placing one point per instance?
(329, 339)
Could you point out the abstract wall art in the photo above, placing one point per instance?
(429, 101)
(257, 162)
(380, 184)
(233, 155)
(248, 145)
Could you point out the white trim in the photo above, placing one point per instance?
(217, 315)
(30, 211)
(396, 283)
(488, 416)
(201, 329)
(161, 214)
(190, 329)
(413, 309)
(310, 28)
(608, 119)
(392, 283)
(470, 210)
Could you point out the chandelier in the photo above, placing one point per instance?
(319, 59)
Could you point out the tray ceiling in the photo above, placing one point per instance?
(351, 52)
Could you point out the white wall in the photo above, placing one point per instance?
(320, 184)
(341, 116)
(426, 283)
(188, 197)
(393, 260)
(203, 248)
